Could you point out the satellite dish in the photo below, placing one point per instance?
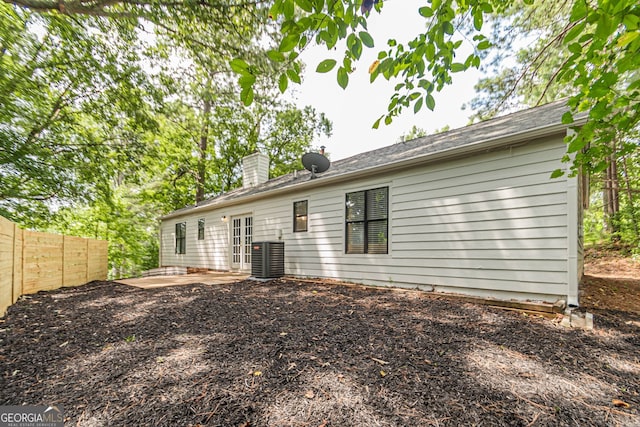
(315, 163)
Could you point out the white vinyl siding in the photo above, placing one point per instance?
(492, 224)
(211, 252)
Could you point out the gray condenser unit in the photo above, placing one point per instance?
(267, 260)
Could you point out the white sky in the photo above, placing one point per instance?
(354, 110)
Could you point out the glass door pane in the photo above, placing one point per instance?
(248, 239)
(236, 240)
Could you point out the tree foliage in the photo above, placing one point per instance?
(523, 57)
(206, 131)
(601, 223)
(111, 115)
(281, 131)
(64, 128)
(414, 132)
(75, 106)
(604, 43)
(579, 51)
(600, 41)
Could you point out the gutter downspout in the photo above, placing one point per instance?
(160, 243)
(572, 236)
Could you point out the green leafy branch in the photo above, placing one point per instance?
(425, 64)
(604, 42)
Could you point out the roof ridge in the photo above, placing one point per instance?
(518, 124)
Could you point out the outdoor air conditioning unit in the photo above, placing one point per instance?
(267, 260)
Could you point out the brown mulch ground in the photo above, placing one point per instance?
(611, 282)
(289, 353)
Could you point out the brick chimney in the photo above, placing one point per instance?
(255, 169)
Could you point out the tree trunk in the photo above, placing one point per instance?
(201, 177)
(632, 212)
(611, 200)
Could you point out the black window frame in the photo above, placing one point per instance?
(201, 229)
(365, 222)
(181, 238)
(296, 216)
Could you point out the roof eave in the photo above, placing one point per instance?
(483, 145)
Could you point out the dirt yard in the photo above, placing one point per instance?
(611, 283)
(290, 353)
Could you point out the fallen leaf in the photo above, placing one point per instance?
(309, 394)
(257, 373)
(620, 403)
(383, 373)
(373, 66)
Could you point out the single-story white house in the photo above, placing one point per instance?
(470, 211)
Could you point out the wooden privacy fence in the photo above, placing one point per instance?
(31, 261)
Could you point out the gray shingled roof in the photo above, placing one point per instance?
(522, 122)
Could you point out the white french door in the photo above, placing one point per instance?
(241, 239)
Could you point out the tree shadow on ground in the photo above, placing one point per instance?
(288, 353)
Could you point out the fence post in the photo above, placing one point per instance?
(6, 269)
(14, 297)
(64, 247)
(18, 276)
(14, 279)
(86, 263)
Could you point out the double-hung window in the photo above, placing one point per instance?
(367, 223)
(181, 237)
(300, 216)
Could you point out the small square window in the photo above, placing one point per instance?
(300, 216)
(201, 229)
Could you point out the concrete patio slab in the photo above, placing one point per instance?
(210, 278)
